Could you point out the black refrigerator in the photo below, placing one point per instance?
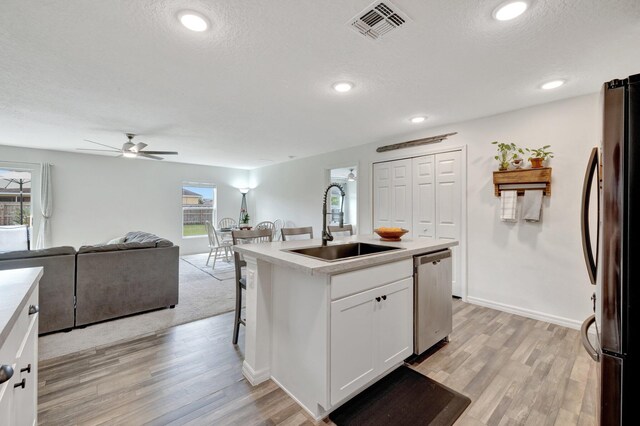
(611, 245)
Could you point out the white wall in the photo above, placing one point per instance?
(536, 269)
(96, 198)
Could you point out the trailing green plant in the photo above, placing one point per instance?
(506, 153)
(540, 153)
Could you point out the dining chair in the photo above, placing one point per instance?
(227, 222)
(244, 237)
(338, 231)
(216, 245)
(295, 232)
(265, 225)
(278, 224)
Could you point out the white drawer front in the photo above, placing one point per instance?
(357, 281)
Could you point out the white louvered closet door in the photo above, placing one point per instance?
(448, 207)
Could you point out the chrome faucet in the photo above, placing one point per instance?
(326, 234)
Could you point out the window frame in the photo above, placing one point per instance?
(214, 213)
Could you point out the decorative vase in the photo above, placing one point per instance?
(536, 163)
(517, 163)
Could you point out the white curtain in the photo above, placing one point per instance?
(46, 206)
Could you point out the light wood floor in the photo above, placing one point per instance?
(515, 370)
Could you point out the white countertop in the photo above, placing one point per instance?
(274, 253)
(16, 285)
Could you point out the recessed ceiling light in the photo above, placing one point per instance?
(417, 120)
(193, 21)
(343, 86)
(552, 84)
(510, 10)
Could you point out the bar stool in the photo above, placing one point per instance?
(244, 237)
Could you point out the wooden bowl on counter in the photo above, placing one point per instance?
(390, 234)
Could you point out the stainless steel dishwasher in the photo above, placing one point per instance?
(433, 316)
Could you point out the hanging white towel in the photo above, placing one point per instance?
(508, 206)
(532, 205)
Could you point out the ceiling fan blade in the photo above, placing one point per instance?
(146, 155)
(159, 152)
(140, 146)
(108, 146)
(101, 150)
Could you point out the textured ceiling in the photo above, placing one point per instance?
(256, 88)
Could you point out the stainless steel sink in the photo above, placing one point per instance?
(336, 252)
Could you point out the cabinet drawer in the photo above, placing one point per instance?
(11, 346)
(357, 281)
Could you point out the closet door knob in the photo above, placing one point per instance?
(377, 299)
(34, 309)
(384, 297)
(6, 372)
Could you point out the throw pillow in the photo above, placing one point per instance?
(118, 240)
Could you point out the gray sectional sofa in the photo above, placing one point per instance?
(115, 280)
(101, 282)
(57, 286)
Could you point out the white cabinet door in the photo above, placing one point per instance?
(401, 195)
(381, 195)
(25, 399)
(353, 344)
(6, 400)
(424, 197)
(449, 208)
(394, 318)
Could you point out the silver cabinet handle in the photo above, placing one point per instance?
(34, 309)
(6, 372)
(584, 334)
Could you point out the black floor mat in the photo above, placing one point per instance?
(404, 397)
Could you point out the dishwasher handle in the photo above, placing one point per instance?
(432, 257)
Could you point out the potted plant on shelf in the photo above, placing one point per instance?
(539, 156)
(507, 152)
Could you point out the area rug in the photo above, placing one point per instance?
(404, 397)
(224, 270)
(201, 295)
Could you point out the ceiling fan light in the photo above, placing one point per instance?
(129, 154)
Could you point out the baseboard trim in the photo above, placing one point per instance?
(316, 417)
(541, 316)
(255, 377)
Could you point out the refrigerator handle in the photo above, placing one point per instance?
(589, 256)
(584, 334)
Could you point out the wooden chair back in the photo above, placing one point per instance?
(336, 229)
(289, 232)
(246, 236)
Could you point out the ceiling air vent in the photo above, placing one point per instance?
(378, 19)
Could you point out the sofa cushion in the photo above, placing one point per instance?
(143, 237)
(98, 248)
(25, 254)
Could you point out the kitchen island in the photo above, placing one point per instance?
(325, 330)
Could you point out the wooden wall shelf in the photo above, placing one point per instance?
(524, 177)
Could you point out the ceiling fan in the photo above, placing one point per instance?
(130, 149)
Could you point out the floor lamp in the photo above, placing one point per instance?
(243, 204)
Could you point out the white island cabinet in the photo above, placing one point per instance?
(19, 346)
(324, 331)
